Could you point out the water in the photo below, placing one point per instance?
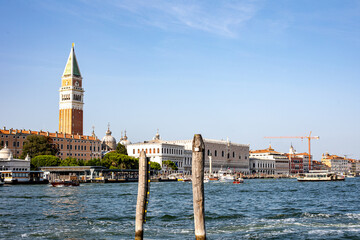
(257, 209)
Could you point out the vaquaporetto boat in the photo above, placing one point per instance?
(319, 176)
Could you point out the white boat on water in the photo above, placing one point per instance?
(320, 175)
(226, 176)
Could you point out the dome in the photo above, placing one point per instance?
(124, 140)
(157, 136)
(5, 153)
(109, 140)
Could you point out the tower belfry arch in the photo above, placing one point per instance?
(71, 97)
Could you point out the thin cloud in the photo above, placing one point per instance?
(219, 17)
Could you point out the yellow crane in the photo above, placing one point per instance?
(303, 137)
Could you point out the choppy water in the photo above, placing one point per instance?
(257, 209)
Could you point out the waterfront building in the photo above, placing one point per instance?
(299, 162)
(77, 146)
(158, 151)
(71, 98)
(317, 165)
(13, 169)
(335, 163)
(268, 161)
(265, 166)
(355, 166)
(224, 154)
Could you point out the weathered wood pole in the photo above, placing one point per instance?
(143, 192)
(198, 161)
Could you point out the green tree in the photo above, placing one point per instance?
(155, 166)
(93, 162)
(43, 161)
(70, 161)
(169, 164)
(36, 145)
(121, 149)
(116, 160)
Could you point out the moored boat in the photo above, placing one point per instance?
(320, 175)
(65, 183)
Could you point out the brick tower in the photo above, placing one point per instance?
(71, 98)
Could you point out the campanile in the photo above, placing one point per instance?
(71, 98)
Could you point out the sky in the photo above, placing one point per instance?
(237, 69)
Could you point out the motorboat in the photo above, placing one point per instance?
(320, 175)
(226, 176)
(238, 180)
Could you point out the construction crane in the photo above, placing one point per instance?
(303, 137)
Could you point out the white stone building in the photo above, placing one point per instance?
(224, 154)
(14, 170)
(159, 151)
(268, 161)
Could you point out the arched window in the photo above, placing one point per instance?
(222, 153)
(215, 153)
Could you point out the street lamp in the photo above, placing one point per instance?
(210, 164)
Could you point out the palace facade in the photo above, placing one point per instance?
(223, 154)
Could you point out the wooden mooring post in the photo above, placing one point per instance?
(143, 195)
(198, 161)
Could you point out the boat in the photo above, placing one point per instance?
(2, 181)
(320, 175)
(238, 180)
(65, 183)
(226, 176)
(73, 181)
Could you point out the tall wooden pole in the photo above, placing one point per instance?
(143, 195)
(198, 161)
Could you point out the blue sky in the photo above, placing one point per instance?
(237, 69)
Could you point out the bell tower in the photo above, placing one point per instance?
(71, 98)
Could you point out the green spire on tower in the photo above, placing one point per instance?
(72, 67)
